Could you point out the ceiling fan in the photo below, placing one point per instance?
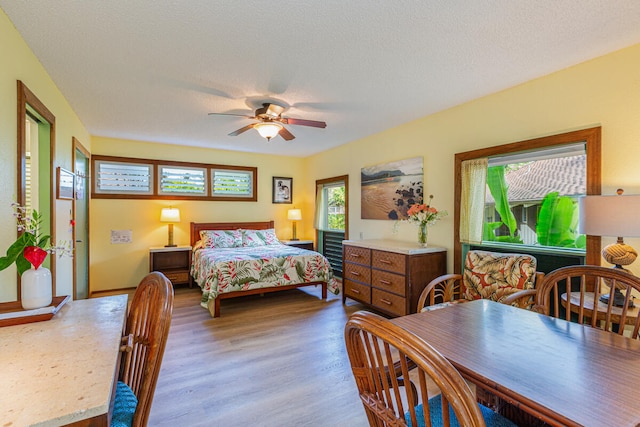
(270, 122)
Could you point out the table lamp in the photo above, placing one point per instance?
(294, 215)
(612, 216)
(170, 215)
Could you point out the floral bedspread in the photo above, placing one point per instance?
(223, 270)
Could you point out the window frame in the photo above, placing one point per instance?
(162, 192)
(157, 194)
(592, 140)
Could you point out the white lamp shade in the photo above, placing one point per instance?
(170, 215)
(268, 129)
(615, 216)
(294, 214)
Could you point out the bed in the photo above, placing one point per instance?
(225, 267)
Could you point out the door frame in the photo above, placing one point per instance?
(345, 179)
(77, 146)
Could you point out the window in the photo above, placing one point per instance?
(588, 138)
(547, 180)
(232, 183)
(182, 180)
(332, 219)
(123, 177)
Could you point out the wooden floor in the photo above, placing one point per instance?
(272, 360)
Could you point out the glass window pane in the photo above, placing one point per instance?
(183, 181)
(232, 183)
(532, 197)
(123, 178)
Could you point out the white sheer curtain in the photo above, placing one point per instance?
(474, 183)
(319, 219)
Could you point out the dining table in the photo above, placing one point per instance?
(63, 371)
(562, 373)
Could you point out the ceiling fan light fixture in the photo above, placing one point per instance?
(268, 129)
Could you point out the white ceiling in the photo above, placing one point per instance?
(152, 70)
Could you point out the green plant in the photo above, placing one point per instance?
(558, 222)
(498, 188)
(30, 242)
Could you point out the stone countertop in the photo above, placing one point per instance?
(61, 371)
(398, 246)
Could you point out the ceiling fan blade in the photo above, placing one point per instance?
(284, 133)
(241, 130)
(303, 122)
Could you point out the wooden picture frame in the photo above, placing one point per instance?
(65, 184)
(282, 190)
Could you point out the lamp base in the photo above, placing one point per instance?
(170, 246)
(293, 239)
(618, 299)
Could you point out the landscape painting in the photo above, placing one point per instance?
(389, 189)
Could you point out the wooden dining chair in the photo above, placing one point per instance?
(573, 293)
(376, 348)
(143, 346)
(486, 275)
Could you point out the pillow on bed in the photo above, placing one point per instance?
(259, 237)
(221, 238)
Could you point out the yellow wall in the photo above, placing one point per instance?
(19, 63)
(604, 91)
(123, 265)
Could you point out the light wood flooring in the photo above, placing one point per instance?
(272, 360)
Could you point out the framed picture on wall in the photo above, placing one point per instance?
(65, 184)
(282, 189)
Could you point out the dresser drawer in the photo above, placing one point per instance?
(357, 291)
(389, 261)
(359, 273)
(389, 282)
(358, 255)
(386, 301)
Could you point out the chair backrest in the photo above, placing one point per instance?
(148, 323)
(382, 354)
(583, 286)
(495, 276)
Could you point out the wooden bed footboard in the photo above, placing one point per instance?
(214, 304)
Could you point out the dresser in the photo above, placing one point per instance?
(389, 275)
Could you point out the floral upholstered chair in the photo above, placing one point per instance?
(487, 275)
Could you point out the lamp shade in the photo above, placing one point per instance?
(170, 215)
(268, 129)
(294, 215)
(610, 215)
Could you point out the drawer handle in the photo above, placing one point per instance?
(386, 301)
(355, 291)
(384, 261)
(355, 255)
(355, 273)
(385, 282)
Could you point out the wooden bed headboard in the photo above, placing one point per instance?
(196, 227)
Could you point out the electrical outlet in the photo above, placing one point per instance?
(361, 235)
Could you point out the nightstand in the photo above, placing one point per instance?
(302, 244)
(174, 263)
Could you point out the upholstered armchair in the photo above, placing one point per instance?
(500, 277)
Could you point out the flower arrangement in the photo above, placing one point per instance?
(31, 248)
(421, 214)
(424, 215)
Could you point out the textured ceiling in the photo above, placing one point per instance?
(152, 70)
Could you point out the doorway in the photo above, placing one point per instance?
(81, 162)
(332, 219)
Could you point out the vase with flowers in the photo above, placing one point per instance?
(29, 252)
(424, 215)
